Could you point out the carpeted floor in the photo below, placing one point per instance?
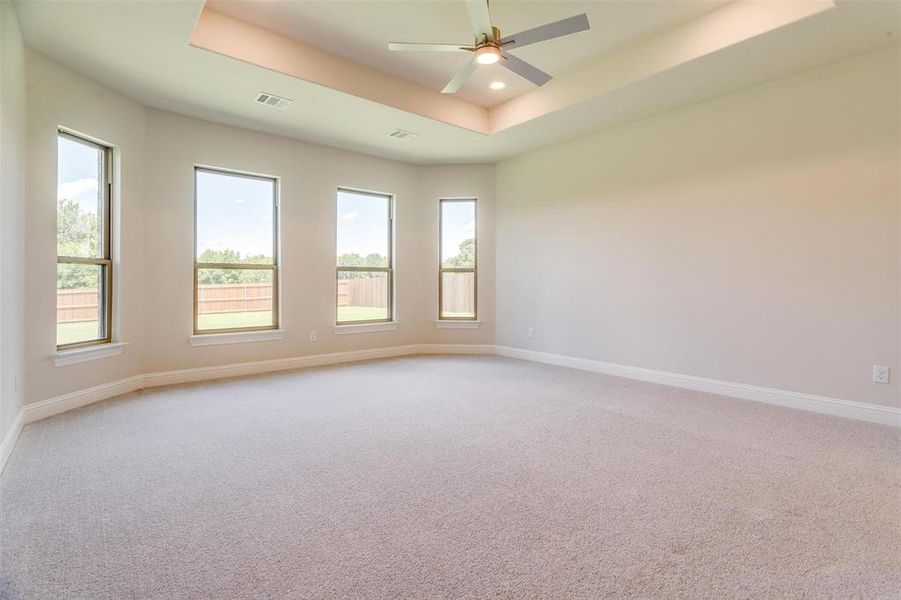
(448, 477)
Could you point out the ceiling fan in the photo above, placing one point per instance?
(489, 47)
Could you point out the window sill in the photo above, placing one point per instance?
(238, 337)
(365, 328)
(457, 324)
(80, 355)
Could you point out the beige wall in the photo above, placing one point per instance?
(12, 207)
(158, 151)
(310, 176)
(753, 238)
(61, 97)
(460, 181)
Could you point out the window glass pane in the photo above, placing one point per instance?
(235, 219)
(79, 198)
(363, 230)
(79, 303)
(234, 298)
(362, 296)
(458, 230)
(458, 295)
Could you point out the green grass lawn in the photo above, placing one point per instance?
(361, 313)
(258, 318)
(71, 333)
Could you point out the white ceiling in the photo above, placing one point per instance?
(141, 49)
(359, 31)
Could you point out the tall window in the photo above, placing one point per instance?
(235, 252)
(457, 275)
(83, 266)
(365, 263)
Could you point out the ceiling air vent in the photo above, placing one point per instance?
(273, 100)
(400, 134)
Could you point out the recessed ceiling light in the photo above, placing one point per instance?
(497, 85)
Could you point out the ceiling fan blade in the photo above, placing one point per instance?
(548, 31)
(481, 21)
(460, 78)
(524, 69)
(413, 47)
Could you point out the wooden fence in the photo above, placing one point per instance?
(233, 297)
(372, 291)
(457, 290)
(78, 305)
(75, 306)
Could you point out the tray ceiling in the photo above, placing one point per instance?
(359, 30)
(640, 58)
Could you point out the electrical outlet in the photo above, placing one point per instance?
(314, 337)
(880, 374)
(531, 332)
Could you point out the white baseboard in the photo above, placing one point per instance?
(268, 366)
(10, 437)
(60, 404)
(66, 402)
(873, 413)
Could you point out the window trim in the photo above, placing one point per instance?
(389, 269)
(274, 267)
(475, 263)
(75, 356)
(106, 261)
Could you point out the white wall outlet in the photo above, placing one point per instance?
(881, 374)
(531, 332)
(314, 337)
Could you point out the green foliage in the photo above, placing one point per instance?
(355, 260)
(76, 231)
(73, 277)
(216, 276)
(465, 258)
(219, 256)
(232, 257)
(76, 235)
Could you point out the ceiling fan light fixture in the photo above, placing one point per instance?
(489, 47)
(488, 55)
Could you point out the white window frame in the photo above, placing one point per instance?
(274, 267)
(475, 261)
(105, 261)
(389, 269)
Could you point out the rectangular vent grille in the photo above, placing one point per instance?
(400, 134)
(273, 100)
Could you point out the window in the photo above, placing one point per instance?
(83, 266)
(235, 252)
(365, 262)
(457, 280)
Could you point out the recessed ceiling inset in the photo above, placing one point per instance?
(489, 47)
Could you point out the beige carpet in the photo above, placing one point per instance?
(448, 477)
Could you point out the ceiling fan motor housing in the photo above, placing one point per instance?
(488, 51)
